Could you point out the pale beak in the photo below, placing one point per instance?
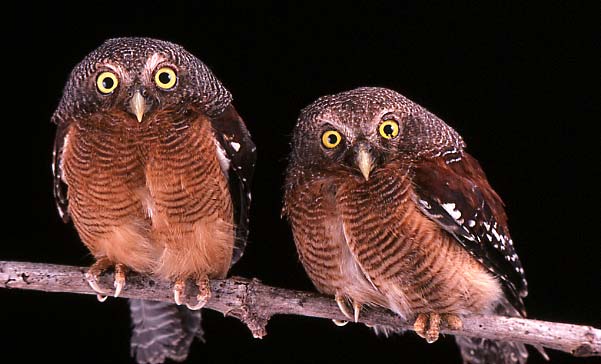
(138, 105)
(364, 161)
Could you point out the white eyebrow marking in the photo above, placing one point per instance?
(151, 63)
(154, 60)
(112, 67)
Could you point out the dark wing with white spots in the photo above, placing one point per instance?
(453, 191)
(240, 151)
(59, 185)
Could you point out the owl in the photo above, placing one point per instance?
(387, 209)
(153, 164)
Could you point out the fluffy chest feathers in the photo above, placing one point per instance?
(368, 241)
(148, 198)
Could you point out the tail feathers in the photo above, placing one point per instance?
(162, 331)
(385, 331)
(485, 351)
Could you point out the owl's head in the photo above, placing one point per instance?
(137, 78)
(363, 129)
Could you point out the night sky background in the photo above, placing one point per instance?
(519, 82)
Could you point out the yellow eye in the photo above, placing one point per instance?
(331, 139)
(165, 78)
(107, 82)
(389, 129)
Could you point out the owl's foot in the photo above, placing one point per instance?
(99, 267)
(119, 278)
(343, 305)
(356, 310)
(427, 325)
(178, 291)
(340, 323)
(452, 321)
(204, 292)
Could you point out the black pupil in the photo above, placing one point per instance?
(388, 130)
(332, 138)
(108, 83)
(164, 77)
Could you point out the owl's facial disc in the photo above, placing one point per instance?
(140, 99)
(366, 156)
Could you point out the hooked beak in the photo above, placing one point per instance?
(138, 105)
(364, 161)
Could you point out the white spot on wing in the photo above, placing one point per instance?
(425, 204)
(224, 161)
(59, 156)
(450, 208)
(235, 145)
(497, 236)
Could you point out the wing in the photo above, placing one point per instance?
(235, 142)
(453, 191)
(59, 185)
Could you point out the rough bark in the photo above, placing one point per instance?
(255, 303)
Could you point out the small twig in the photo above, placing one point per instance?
(255, 303)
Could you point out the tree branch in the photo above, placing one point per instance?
(255, 303)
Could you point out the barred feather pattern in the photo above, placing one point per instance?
(166, 194)
(162, 331)
(407, 221)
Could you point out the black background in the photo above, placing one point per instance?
(519, 82)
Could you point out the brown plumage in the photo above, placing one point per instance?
(153, 165)
(388, 210)
(175, 225)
